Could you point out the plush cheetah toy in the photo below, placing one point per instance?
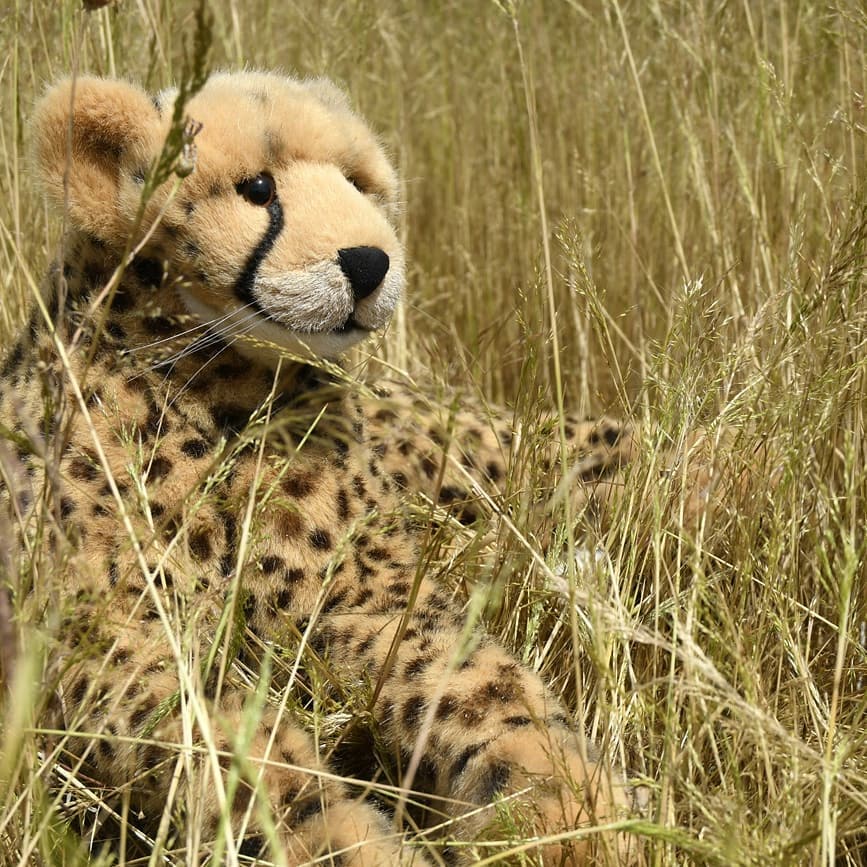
(194, 474)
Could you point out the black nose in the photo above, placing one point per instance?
(365, 267)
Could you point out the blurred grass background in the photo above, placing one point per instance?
(700, 167)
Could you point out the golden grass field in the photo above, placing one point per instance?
(655, 210)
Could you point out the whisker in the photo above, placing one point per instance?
(208, 326)
(229, 337)
(215, 335)
(204, 364)
(155, 343)
(218, 335)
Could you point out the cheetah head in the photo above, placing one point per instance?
(282, 237)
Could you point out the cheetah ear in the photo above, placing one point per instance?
(86, 132)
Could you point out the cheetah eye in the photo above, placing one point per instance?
(259, 191)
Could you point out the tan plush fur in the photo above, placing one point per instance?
(195, 481)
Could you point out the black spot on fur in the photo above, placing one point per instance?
(159, 468)
(464, 758)
(412, 711)
(417, 666)
(149, 271)
(141, 714)
(307, 810)
(13, 361)
(120, 656)
(343, 505)
(151, 756)
(132, 691)
(365, 645)
(271, 564)
(496, 778)
(252, 847)
(494, 471)
(517, 722)
(387, 714)
(399, 589)
(597, 470)
(122, 302)
(334, 601)
(439, 600)
(320, 539)
(82, 469)
(298, 485)
(160, 326)
(471, 716)
(230, 418)
(250, 604)
(449, 494)
(195, 448)
(79, 691)
(200, 544)
(364, 596)
(378, 554)
(364, 571)
(495, 691)
(447, 707)
(436, 436)
(611, 435)
(227, 565)
(429, 466)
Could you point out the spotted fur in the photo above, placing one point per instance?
(182, 472)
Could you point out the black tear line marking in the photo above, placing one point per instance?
(247, 277)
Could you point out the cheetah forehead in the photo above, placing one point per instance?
(252, 120)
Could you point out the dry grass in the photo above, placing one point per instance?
(656, 209)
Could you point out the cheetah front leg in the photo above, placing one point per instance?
(481, 726)
(129, 740)
(315, 815)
